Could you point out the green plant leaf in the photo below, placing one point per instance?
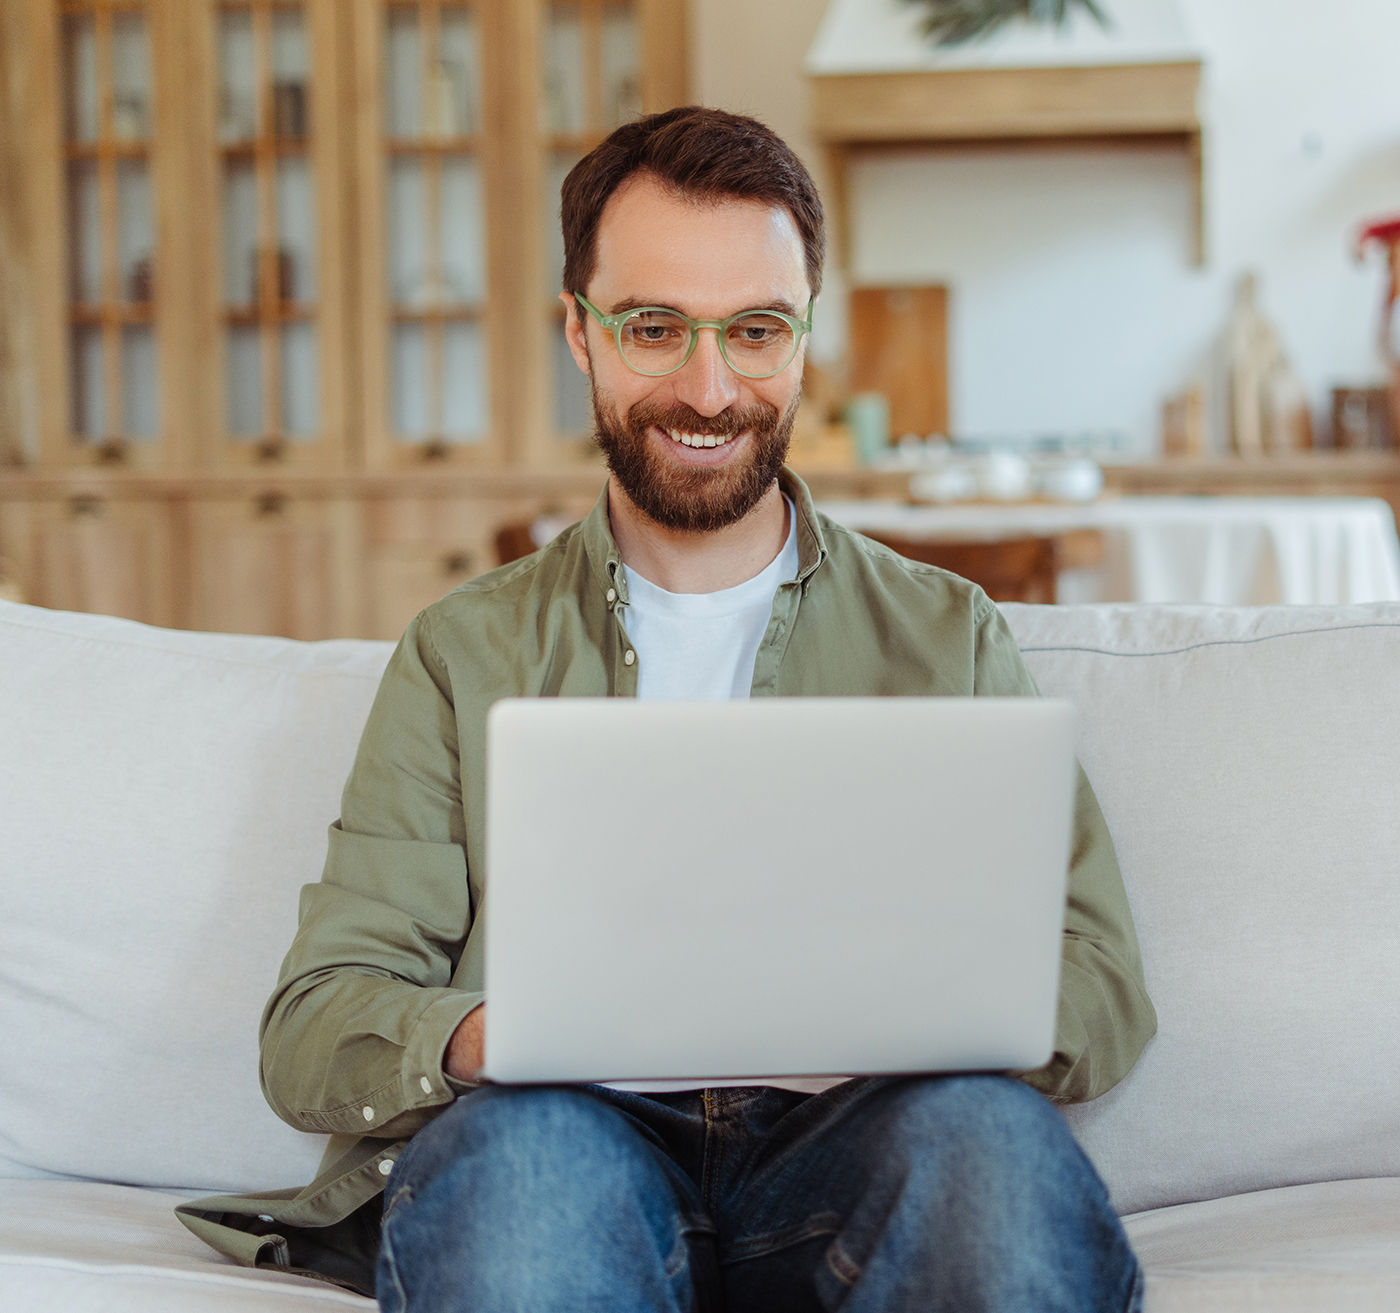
(954, 22)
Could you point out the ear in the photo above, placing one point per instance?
(573, 333)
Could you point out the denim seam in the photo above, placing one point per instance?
(404, 1192)
(842, 1266)
(713, 1168)
(388, 1263)
(761, 1246)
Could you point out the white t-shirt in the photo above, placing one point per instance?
(702, 647)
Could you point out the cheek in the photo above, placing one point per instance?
(621, 389)
(781, 390)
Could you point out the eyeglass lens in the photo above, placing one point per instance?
(655, 342)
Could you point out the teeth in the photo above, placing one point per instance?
(697, 439)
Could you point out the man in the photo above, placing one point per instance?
(693, 261)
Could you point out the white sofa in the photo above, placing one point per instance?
(163, 795)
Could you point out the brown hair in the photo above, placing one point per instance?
(702, 155)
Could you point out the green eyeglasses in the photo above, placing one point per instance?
(655, 341)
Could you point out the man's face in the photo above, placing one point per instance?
(709, 262)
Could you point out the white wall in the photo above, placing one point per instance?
(1074, 304)
(746, 56)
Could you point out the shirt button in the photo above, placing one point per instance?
(426, 1084)
(629, 658)
(265, 1217)
(612, 594)
(369, 1114)
(386, 1166)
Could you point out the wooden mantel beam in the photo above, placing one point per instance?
(1095, 100)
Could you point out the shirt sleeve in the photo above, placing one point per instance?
(1105, 1017)
(352, 1039)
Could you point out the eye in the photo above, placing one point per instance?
(653, 328)
(760, 332)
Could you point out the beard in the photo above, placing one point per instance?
(695, 500)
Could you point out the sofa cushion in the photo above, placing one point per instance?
(82, 1247)
(1247, 764)
(1303, 1249)
(164, 797)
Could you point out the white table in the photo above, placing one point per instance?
(1232, 551)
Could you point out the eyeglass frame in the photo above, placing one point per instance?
(614, 324)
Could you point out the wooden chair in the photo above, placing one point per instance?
(1008, 569)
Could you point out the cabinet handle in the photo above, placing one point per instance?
(85, 503)
(456, 563)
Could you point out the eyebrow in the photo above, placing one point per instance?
(638, 303)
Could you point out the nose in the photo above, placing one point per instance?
(705, 383)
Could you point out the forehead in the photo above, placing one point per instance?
(707, 258)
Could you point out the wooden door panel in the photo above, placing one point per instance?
(403, 580)
(274, 566)
(88, 554)
(419, 548)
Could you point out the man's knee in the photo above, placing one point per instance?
(532, 1136)
(989, 1128)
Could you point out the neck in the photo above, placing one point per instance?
(683, 561)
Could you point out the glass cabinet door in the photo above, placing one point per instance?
(590, 84)
(433, 282)
(270, 266)
(113, 356)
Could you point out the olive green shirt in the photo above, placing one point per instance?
(387, 958)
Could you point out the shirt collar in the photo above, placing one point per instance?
(606, 560)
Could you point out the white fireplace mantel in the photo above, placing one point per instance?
(878, 82)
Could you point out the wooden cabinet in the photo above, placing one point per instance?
(305, 556)
(302, 234)
(275, 564)
(274, 274)
(92, 552)
(419, 547)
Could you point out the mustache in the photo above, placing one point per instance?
(729, 423)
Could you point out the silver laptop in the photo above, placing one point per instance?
(776, 887)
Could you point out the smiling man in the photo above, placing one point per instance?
(693, 247)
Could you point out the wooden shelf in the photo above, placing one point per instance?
(1306, 474)
(1320, 473)
(431, 481)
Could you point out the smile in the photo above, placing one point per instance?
(699, 439)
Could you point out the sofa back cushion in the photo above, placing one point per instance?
(163, 797)
(1248, 764)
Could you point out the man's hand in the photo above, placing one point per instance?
(463, 1058)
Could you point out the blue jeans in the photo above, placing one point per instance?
(932, 1193)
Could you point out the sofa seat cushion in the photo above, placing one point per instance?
(84, 1247)
(1300, 1249)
